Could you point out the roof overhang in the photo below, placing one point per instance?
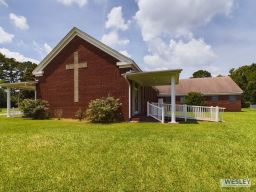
(154, 78)
(123, 65)
(38, 71)
(31, 85)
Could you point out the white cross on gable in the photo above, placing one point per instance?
(76, 66)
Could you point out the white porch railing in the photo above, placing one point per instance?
(155, 111)
(15, 112)
(163, 110)
(253, 106)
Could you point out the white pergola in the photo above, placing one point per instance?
(21, 86)
(156, 78)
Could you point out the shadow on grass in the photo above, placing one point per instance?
(182, 121)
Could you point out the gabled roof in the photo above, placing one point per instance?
(206, 86)
(124, 61)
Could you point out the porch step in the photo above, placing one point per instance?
(143, 119)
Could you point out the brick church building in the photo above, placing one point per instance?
(80, 69)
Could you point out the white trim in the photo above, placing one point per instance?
(38, 74)
(153, 78)
(38, 71)
(130, 101)
(120, 63)
(123, 66)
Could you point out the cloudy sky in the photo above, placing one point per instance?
(158, 34)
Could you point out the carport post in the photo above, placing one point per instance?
(8, 112)
(130, 100)
(35, 95)
(173, 99)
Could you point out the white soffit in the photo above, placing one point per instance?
(154, 78)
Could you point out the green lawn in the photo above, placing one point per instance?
(2, 111)
(68, 155)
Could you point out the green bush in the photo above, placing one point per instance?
(104, 110)
(246, 104)
(194, 98)
(80, 114)
(35, 109)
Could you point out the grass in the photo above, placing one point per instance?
(68, 155)
(2, 111)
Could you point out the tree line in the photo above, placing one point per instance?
(245, 77)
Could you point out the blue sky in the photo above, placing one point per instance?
(164, 34)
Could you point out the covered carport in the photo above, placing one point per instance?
(155, 78)
(31, 85)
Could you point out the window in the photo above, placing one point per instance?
(232, 98)
(215, 98)
(169, 99)
(182, 100)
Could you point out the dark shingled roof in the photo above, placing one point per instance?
(206, 86)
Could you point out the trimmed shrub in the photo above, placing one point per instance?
(194, 98)
(35, 109)
(80, 114)
(104, 110)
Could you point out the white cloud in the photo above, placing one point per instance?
(194, 53)
(47, 48)
(42, 50)
(19, 21)
(116, 20)
(124, 52)
(2, 2)
(176, 17)
(19, 57)
(5, 37)
(80, 3)
(113, 39)
(168, 32)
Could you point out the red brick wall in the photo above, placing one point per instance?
(222, 102)
(101, 78)
(148, 95)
